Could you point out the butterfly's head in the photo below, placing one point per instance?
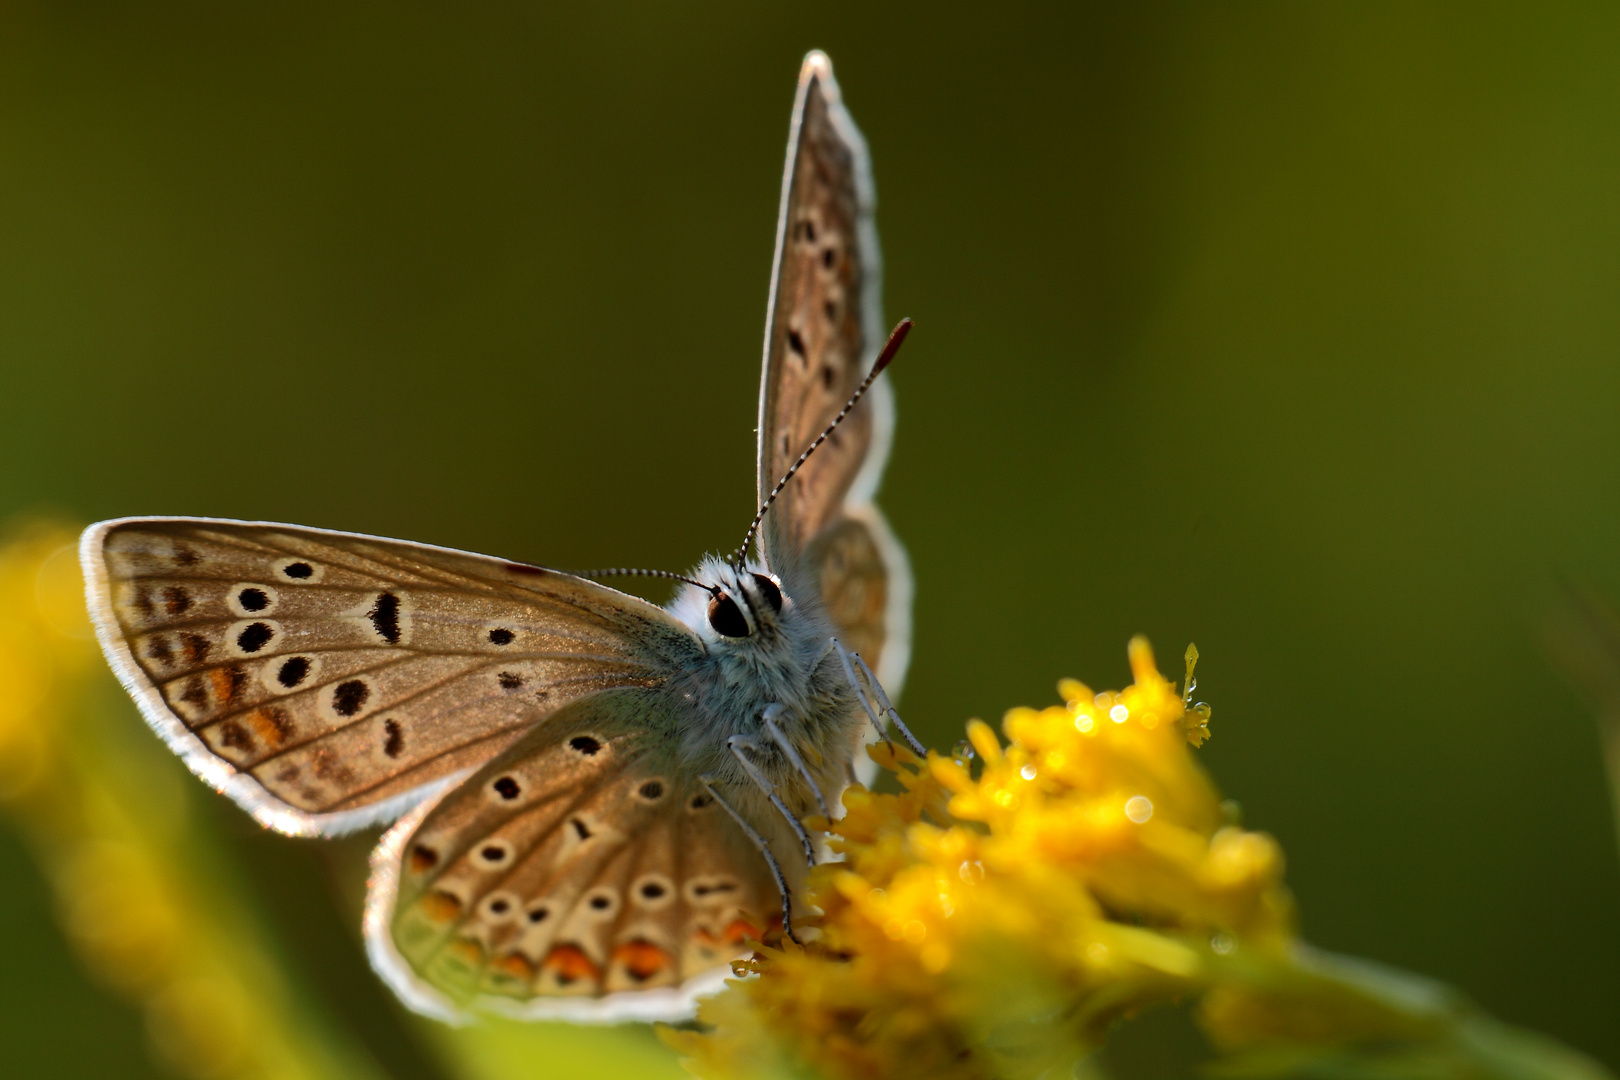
(738, 603)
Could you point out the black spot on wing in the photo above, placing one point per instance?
(394, 741)
(293, 671)
(158, 649)
(384, 616)
(254, 637)
(350, 697)
(253, 599)
(176, 600)
(501, 636)
(298, 571)
(708, 890)
(195, 693)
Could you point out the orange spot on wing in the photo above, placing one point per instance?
(642, 959)
(569, 964)
(739, 931)
(467, 949)
(271, 724)
(227, 683)
(440, 906)
(516, 965)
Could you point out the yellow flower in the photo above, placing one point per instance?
(1007, 907)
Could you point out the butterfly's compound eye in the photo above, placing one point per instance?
(726, 618)
(767, 588)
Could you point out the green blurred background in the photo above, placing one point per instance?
(1285, 329)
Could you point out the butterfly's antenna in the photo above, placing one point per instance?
(897, 337)
(621, 571)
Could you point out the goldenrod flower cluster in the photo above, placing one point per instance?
(1013, 902)
(995, 918)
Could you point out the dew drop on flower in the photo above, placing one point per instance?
(1084, 723)
(1222, 943)
(1119, 713)
(1027, 772)
(742, 968)
(1139, 808)
(972, 872)
(962, 752)
(915, 932)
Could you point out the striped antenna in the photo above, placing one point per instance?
(623, 571)
(897, 337)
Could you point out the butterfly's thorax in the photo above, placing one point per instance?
(784, 660)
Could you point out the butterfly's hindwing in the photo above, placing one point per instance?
(865, 588)
(584, 861)
(317, 676)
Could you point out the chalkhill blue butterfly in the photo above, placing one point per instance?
(599, 801)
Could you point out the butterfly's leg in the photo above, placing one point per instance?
(888, 708)
(768, 718)
(860, 691)
(737, 745)
(764, 849)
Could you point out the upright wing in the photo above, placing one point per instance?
(825, 323)
(583, 874)
(326, 680)
(823, 332)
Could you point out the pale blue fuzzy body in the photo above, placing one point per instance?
(785, 660)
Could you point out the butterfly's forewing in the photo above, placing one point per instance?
(584, 873)
(824, 325)
(326, 680)
(823, 331)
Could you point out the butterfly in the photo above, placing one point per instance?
(598, 802)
